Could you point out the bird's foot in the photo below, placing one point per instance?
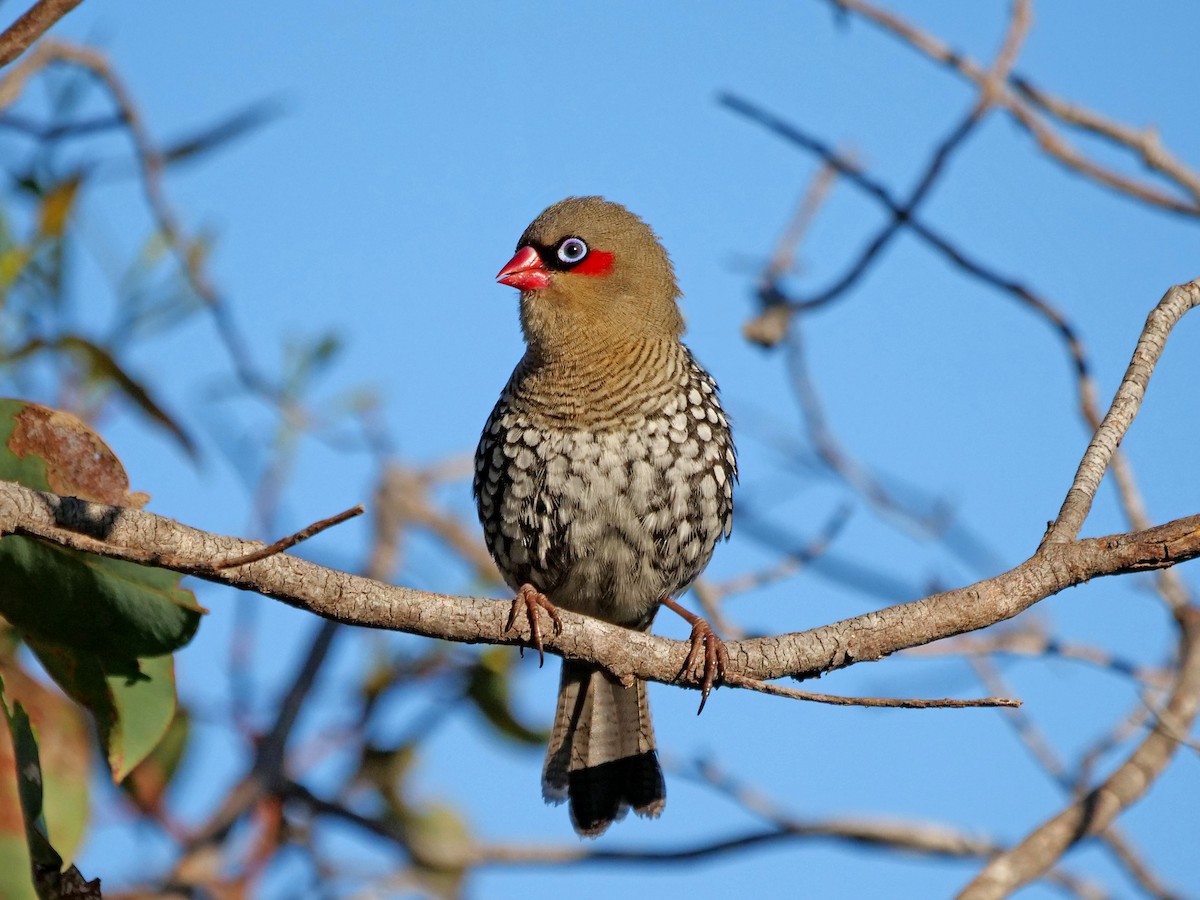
(706, 645)
(530, 599)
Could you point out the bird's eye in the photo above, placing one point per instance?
(572, 250)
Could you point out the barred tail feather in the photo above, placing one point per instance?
(601, 756)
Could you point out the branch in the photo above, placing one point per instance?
(771, 325)
(293, 539)
(1060, 562)
(1144, 141)
(1039, 746)
(912, 837)
(1174, 304)
(1094, 811)
(32, 25)
(1035, 642)
(1049, 141)
(989, 91)
(777, 690)
(151, 165)
(142, 537)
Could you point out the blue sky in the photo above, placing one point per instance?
(415, 143)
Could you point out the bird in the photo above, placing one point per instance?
(603, 481)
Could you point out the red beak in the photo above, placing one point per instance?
(525, 271)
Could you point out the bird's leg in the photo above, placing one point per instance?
(530, 599)
(706, 642)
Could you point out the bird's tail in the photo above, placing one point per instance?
(601, 754)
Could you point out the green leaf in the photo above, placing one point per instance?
(488, 688)
(150, 778)
(145, 706)
(64, 749)
(15, 880)
(43, 857)
(29, 783)
(110, 608)
(133, 705)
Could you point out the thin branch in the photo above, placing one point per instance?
(1093, 812)
(1175, 731)
(793, 560)
(1146, 142)
(1128, 400)
(1090, 759)
(778, 690)
(1023, 726)
(1034, 642)
(293, 539)
(989, 91)
(840, 462)
(914, 836)
(850, 170)
(771, 325)
(1041, 749)
(152, 166)
(402, 499)
(35, 22)
(1049, 141)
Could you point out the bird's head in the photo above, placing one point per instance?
(590, 270)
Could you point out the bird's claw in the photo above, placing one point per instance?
(530, 599)
(706, 643)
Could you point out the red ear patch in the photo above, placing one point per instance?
(597, 264)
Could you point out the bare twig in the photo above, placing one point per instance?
(778, 690)
(770, 326)
(989, 91)
(152, 165)
(32, 24)
(850, 170)
(1163, 722)
(402, 498)
(1032, 641)
(293, 539)
(829, 449)
(914, 837)
(1146, 142)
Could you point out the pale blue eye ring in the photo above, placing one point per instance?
(572, 250)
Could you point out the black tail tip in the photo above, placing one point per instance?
(600, 795)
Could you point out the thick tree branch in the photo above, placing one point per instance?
(143, 537)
